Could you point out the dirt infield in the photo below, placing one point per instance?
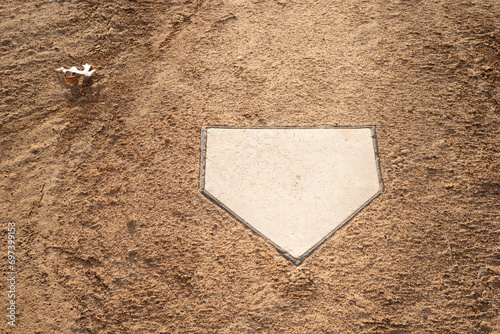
(102, 179)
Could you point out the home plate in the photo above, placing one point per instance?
(292, 186)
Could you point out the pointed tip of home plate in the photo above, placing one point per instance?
(292, 186)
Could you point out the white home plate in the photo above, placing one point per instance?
(293, 186)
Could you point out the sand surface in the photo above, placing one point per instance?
(102, 179)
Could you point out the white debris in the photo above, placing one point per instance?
(75, 73)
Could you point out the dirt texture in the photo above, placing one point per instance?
(102, 178)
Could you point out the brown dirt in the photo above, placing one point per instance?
(102, 179)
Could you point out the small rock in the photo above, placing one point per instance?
(480, 272)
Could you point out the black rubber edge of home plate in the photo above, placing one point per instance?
(293, 260)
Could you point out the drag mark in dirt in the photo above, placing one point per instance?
(180, 23)
(37, 204)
